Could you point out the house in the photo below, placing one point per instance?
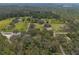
(32, 26)
(40, 21)
(16, 20)
(47, 26)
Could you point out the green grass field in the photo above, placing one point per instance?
(39, 26)
(22, 26)
(4, 23)
(56, 27)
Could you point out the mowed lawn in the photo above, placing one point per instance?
(56, 27)
(56, 24)
(39, 26)
(21, 26)
(4, 23)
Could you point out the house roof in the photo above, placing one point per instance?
(47, 25)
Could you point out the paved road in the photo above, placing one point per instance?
(61, 32)
(62, 50)
(8, 35)
(28, 27)
(58, 33)
(60, 46)
(68, 38)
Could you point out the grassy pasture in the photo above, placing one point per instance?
(21, 26)
(4, 23)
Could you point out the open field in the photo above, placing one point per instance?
(4, 23)
(22, 26)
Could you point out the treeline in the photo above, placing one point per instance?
(19, 12)
(6, 12)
